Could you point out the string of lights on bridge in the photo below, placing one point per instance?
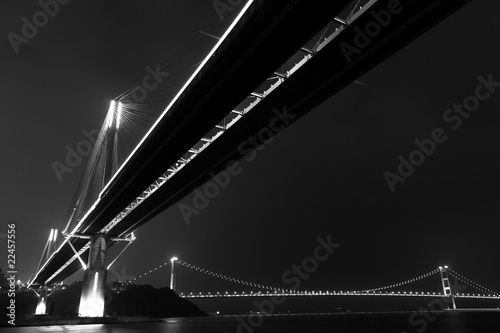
(150, 271)
(214, 274)
(272, 291)
(420, 277)
(333, 293)
(471, 283)
(231, 279)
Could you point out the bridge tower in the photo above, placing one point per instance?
(172, 275)
(114, 165)
(94, 278)
(110, 152)
(446, 285)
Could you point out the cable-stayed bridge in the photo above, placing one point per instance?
(275, 63)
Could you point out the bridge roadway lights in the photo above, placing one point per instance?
(41, 305)
(94, 278)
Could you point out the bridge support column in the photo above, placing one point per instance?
(94, 279)
(446, 285)
(41, 305)
(172, 275)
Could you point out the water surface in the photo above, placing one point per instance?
(387, 322)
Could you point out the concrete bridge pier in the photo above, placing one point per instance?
(94, 278)
(41, 305)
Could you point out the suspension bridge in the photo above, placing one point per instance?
(452, 284)
(255, 82)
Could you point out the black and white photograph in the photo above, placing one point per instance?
(246, 166)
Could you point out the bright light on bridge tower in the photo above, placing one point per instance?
(111, 114)
(119, 115)
(114, 164)
(172, 276)
(446, 285)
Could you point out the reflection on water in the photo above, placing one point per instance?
(448, 322)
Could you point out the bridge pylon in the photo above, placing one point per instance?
(172, 274)
(94, 278)
(446, 285)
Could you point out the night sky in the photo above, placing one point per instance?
(322, 176)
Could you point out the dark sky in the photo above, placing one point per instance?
(324, 175)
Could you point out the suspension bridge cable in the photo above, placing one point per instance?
(150, 271)
(231, 279)
(471, 283)
(420, 277)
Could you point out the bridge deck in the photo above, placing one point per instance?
(326, 73)
(257, 42)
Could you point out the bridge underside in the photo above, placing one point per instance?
(221, 87)
(267, 35)
(321, 77)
